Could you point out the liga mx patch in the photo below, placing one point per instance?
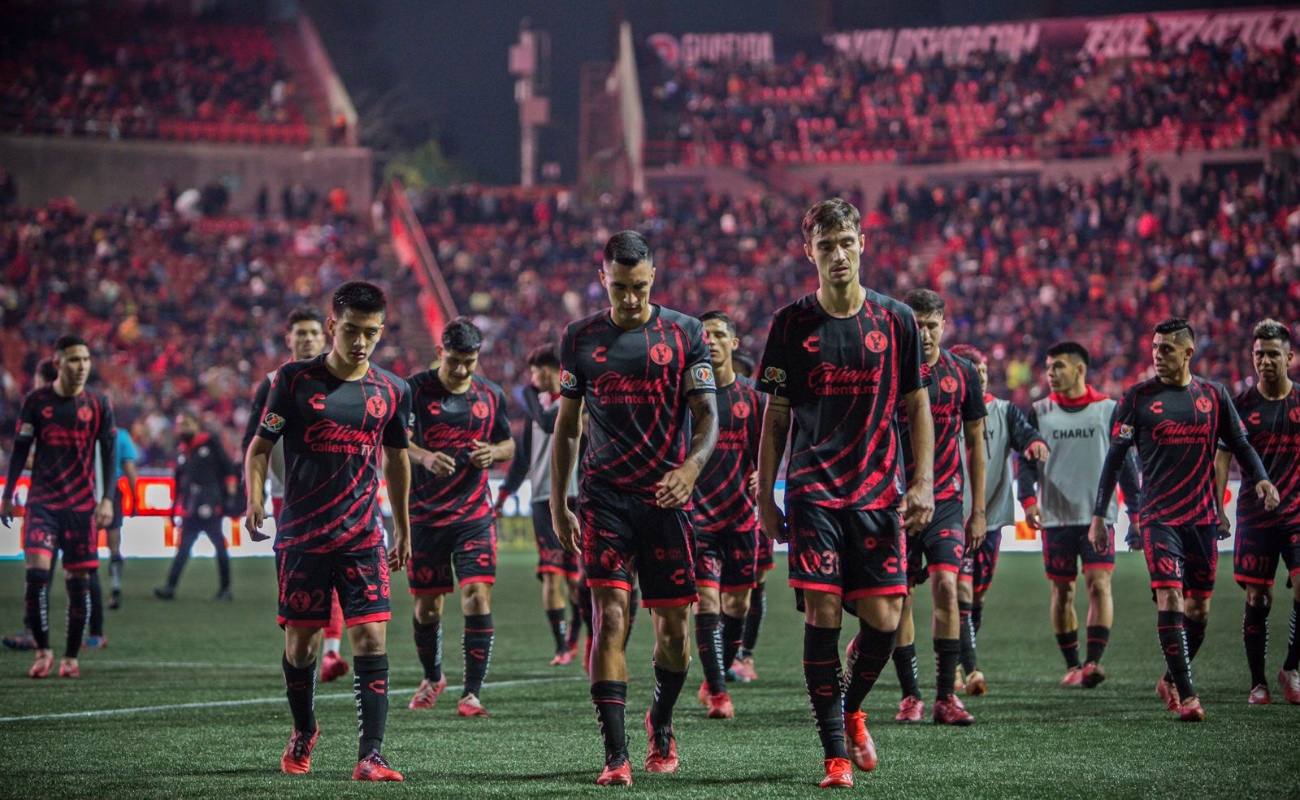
(1125, 432)
(26, 431)
(774, 374)
(701, 377)
(273, 422)
(568, 380)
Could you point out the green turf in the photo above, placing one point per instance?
(1032, 739)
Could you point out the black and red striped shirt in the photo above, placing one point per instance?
(64, 431)
(723, 502)
(955, 399)
(1273, 428)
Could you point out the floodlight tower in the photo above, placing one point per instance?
(530, 62)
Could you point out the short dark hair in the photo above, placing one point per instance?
(628, 248)
(720, 316)
(924, 301)
(544, 356)
(46, 371)
(969, 352)
(1069, 349)
(462, 336)
(359, 296)
(1268, 329)
(833, 214)
(69, 340)
(1178, 328)
(304, 314)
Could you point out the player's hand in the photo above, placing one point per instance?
(1267, 492)
(440, 464)
(1037, 452)
(674, 489)
(1225, 525)
(565, 523)
(400, 554)
(976, 530)
(482, 455)
(1034, 517)
(1134, 536)
(773, 521)
(6, 512)
(917, 507)
(752, 484)
(104, 514)
(254, 516)
(1098, 535)
(500, 504)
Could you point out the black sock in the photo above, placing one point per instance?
(872, 649)
(1195, 635)
(946, 654)
(909, 673)
(733, 630)
(754, 620)
(115, 574)
(370, 687)
(78, 613)
(610, 699)
(36, 602)
(967, 637)
(822, 677)
(575, 625)
(708, 641)
(1173, 642)
(1069, 644)
(477, 641)
(559, 628)
(1293, 646)
(976, 615)
(1098, 638)
(300, 685)
(428, 646)
(668, 685)
(96, 605)
(1254, 632)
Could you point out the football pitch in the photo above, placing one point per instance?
(188, 701)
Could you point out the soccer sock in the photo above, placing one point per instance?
(1069, 644)
(872, 649)
(330, 645)
(559, 629)
(1254, 632)
(967, 637)
(1195, 635)
(610, 700)
(909, 673)
(78, 613)
(1293, 646)
(976, 615)
(1173, 641)
(477, 642)
(668, 685)
(754, 620)
(36, 604)
(96, 604)
(946, 654)
(708, 640)
(822, 676)
(733, 629)
(300, 686)
(1098, 638)
(115, 574)
(428, 646)
(370, 687)
(575, 625)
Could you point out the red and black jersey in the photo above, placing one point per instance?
(333, 431)
(1175, 429)
(844, 379)
(450, 423)
(955, 399)
(723, 502)
(635, 385)
(64, 431)
(1273, 429)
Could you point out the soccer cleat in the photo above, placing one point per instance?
(333, 666)
(662, 755)
(1190, 710)
(861, 748)
(1259, 696)
(839, 774)
(165, 593)
(959, 680)
(1169, 693)
(20, 641)
(115, 600)
(96, 642)
(702, 696)
(42, 665)
(1092, 675)
(428, 693)
(1073, 678)
(562, 659)
(617, 772)
(223, 596)
(720, 706)
(297, 756)
(68, 668)
(1289, 680)
(469, 706)
(374, 767)
(912, 709)
(975, 684)
(951, 712)
(743, 670)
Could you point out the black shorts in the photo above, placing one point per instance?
(72, 533)
(978, 567)
(1182, 556)
(728, 560)
(1066, 546)
(942, 543)
(551, 555)
(765, 560)
(469, 547)
(1256, 552)
(850, 553)
(623, 535)
(308, 580)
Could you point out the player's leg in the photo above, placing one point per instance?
(79, 543)
(912, 707)
(1061, 564)
(1254, 562)
(573, 592)
(743, 667)
(1163, 548)
(429, 578)
(39, 545)
(550, 571)
(966, 662)
(948, 708)
(1289, 676)
(366, 611)
(1098, 568)
(708, 631)
(114, 537)
(983, 565)
(735, 610)
(190, 532)
(332, 664)
(304, 584)
(739, 571)
(212, 528)
(95, 638)
(475, 560)
(1201, 553)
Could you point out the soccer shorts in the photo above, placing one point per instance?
(469, 547)
(1257, 550)
(1065, 546)
(551, 555)
(1182, 556)
(307, 581)
(727, 560)
(623, 535)
(978, 567)
(850, 553)
(765, 560)
(942, 543)
(72, 533)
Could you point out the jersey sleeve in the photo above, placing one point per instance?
(913, 372)
(255, 413)
(278, 409)
(108, 448)
(972, 405)
(699, 367)
(396, 431)
(1123, 435)
(1232, 435)
(501, 425)
(572, 383)
(774, 368)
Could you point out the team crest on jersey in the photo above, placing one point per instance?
(377, 406)
(774, 374)
(948, 384)
(479, 410)
(26, 431)
(740, 409)
(84, 414)
(661, 354)
(568, 380)
(273, 422)
(876, 341)
(1203, 405)
(1124, 431)
(1294, 415)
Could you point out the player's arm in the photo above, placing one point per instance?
(1025, 438)
(675, 488)
(255, 413)
(976, 526)
(397, 471)
(1123, 434)
(771, 449)
(918, 504)
(1027, 475)
(1233, 434)
(564, 454)
(518, 468)
(1222, 461)
(256, 463)
(107, 466)
(23, 442)
(500, 445)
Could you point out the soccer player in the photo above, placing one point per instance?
(639, 369)
(63, 422)
(957, 410)
(726, 525)
(459, 429)
(557, 568)
(1005, 431)
(742, 668)
(1076, 421)
(336, 412)
(205, 487)
(837, 364)
(1270, 411)
(1175, 419)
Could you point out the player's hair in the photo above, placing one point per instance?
(925, 301)
(1178, 328)
(969, 352)
(722, 317)
(462, 336)
(69, 340)
(359, 296)
(1069, 349)
(46, 372)
(833, 214)
(189, 412)
(628, 248)
(304, 314)
(544, 356)
(1269, 329)
(743, 363)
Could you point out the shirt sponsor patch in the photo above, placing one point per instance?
(568, 380)
(273, 422)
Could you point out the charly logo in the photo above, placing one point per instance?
(813, 343)
(317, 402)
(774, 375)
(273, 422)
(568, 380)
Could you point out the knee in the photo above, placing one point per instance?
(1062, 593)
(477, 599)
(300, 651)
(1258, 597)
(945, 591)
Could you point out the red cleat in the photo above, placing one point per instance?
(374, 767)
(1190, 710)
(839, 774)
(470, 706)
(68, 668)
(912, 709)
(1169, 693)
(1289, 680)
(702, 696)
(1092, 675)
(42, 665)
(662, 755)
(743, 670)
(720, 706)
(951, 712)
(297, 756)
(616, 774)
(1073, 678)
(861, 748)
(428, 693)
(562, 659)
(976, 685)
(332, 667)
(1259, 696)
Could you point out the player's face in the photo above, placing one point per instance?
(629, 292)
(355, 336)
(1063, 374)
(931, 324)
(457, 368)
(306, 339)
(545, 379)
(74, 366)
(721, 342)
(1272, 359)
(983, 370)
(187, 427)
(838, 256)
(1170, 355)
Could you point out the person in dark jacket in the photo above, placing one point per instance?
(205, 488)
